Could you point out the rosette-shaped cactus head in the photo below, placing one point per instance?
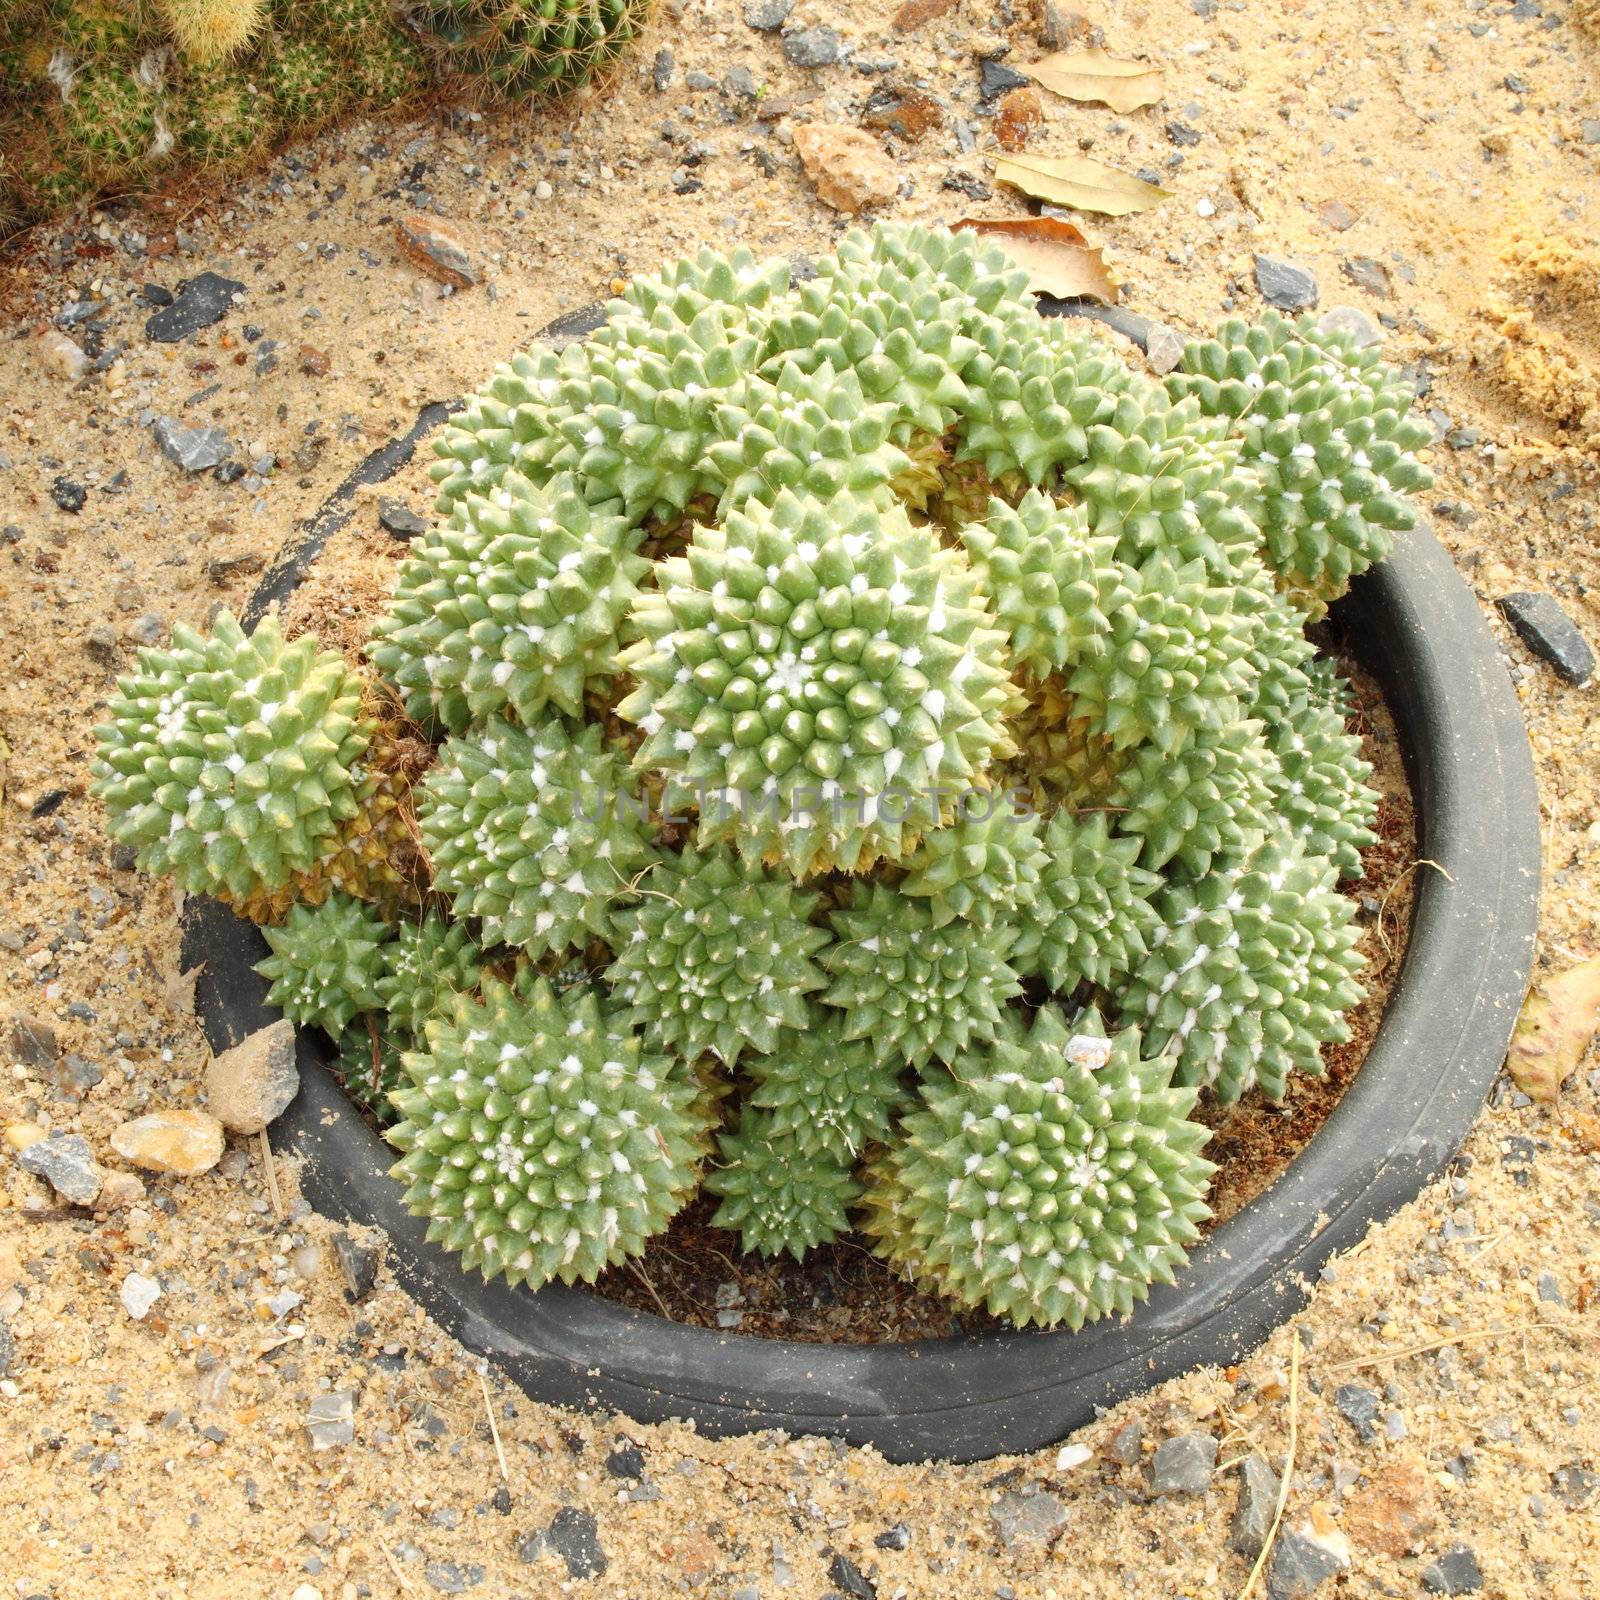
(425, 966)
(537, 832)
(225, 117)
(1052, 585)
(778, 1197)
(1211, 798)
(1319, 783)
(227, 760)
(972, 274)
(718, 954)
(1327, 428)
(307, 81)
(825, 1093)
(916, 990)
(115, 118)
(1091, 919)
(1050, 1180)
(745, 287)
(514, 605)
(813, 672)
(207, 31)
(811, 432)
(1249, 971)
(326, 962)
(1176, 661)
(540, 1140)
(985, 867)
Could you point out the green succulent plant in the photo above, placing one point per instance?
(327, 962)
(985, 867)
(425, 966)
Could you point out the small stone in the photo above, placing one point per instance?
(184, 1143)
(63, 356)
(205, 300)
(102, 644)
(1181, 134)
(1337, 215)
(1070, 1456)
(1126, 1445)
(1550, 1289)
(1302, 1560)
(847, 167)
(329, 1419)
(1258, 1502)
(740, 83)
(315, 363)
(909, 112)
(33, 1042)
(849, 1579)
(453, 1577)
(811, 47)
(148, 630)
(1575, 1486)
(1017, 117)
(119, 1191)
(1455, 1572)
(193, 449)
(396, 517)
(1285, 285)
(1515, 83)
(661, 70)
(19, 1135)
(1589, 130)
(1394, 1511)
(767, 16)
(1359, 1407)
(995, 78)
(1347, 319)
(574, 1536)
(138, 1294)
(68, 495)
(66, 1162)
(8, 1349)
(626, 1461)
(700, 80)
(1550, 634)
(1365, 273)
(1183, 1465)
(358, 1265)
(896, 1538)
(252, 1084)
(1163, 348)
(1027, 1519)
(437, 249)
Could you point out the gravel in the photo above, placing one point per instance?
(66, 1162)
(1299, 1564)
(1285, 285)
(193, 449)
(995, 79)
(767, 16)
(1258, 1500)
(1359, 1407)
(811, 47)
(849, 1579)
(1027, 1519)
(573, 1535)
(1184, 1464)
(1550, 634)
(1455, 1572)
(205, 300)
(252, 1084)
(358, 1265)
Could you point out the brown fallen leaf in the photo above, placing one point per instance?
(1099, 77)
(1054, 254)
(1558, 1020)
(177, 987)
(914, 13)
(1079, 183)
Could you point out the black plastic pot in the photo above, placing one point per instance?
(1415, 624)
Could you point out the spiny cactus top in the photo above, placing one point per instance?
(839, 685)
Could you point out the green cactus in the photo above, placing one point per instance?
(326, 963)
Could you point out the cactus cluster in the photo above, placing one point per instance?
(97, 94)
(882, 776)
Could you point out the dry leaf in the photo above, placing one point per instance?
(1095, 76)
(914, 13)
(1558, 1020)
(1055, 255)
(177, 987)
(1078, 183)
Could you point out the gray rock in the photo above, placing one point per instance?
(995, 78)
(1285, 285)
(66, 1162)
(252, 1084)
(1183, 1465)
(572, 1535)
(740, 83)
(1589, 130)
(1258, 1500)
(896, 1538)
(1127, 1443)
(1365, 273)
(453, 1577)
(811, 47)
(205, 300)
(358, 1265)
(396, 517)
(8, 1349)
(661, 70)
(1163, 348)
(1455, 1572)
(767, 16)
(849, 1579)
(1575, 1486)
(148, 630)
(626, 1461)
(33, 1042)
(102, 644)
(1299, 1565)
(193, 449)
(1550, 634)
(1359, 326)
(1358, 1407)
(329, 1420)
(1027, 1519)
(1550, 1289)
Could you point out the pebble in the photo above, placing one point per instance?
(184, 1143)
(1357, 324)
(8, 1349)
(1550, 1289)
(1163, 348)
(453, 1577)
(63, 356)
(1258, 1500)
(1550, 634)
(661, 71)
(849, 1579)
(1072, 1455)
(120, 1190)
(438, 249)
(1575, 1486)
(358, 1265)
(995, 78)
(1285, 285)
(329, 1419)
(66, 1162)
(847, 167)
(68, 495)
(1359, 1407)
(543, 190)
(1365, 273)
(1183, 1465)
(102, 644)
(626, 1461)
(193, 449)
(574, 1536)
(767, 16)
(148, 630)
(138, 1294)
(811, 47)
(1026, 1519)
(907, 112)
(1126, 1445)
(205, 300)
(1455, 1572)
(1337, 215)
(896, 1538)
(252, 1084)
(33, 1041)
(1302, 1560)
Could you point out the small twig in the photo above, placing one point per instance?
(639, 1273)
(272, 1176)
(395, 1567)
(1288, 1466)
(1435, 1344)
(494, 1429)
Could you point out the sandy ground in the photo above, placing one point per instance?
(168, 1457)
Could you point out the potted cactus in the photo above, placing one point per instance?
(850, 748)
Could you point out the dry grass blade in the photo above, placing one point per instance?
(1287, 1480)
(1100, 78)
(1058, 259)
(1079, 184)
